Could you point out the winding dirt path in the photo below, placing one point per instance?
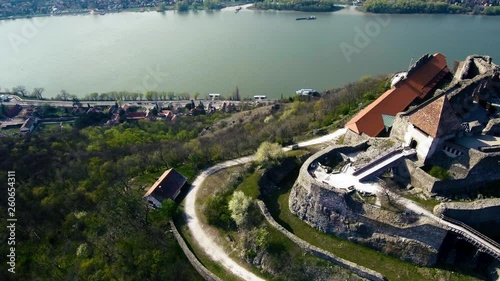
(206, 242)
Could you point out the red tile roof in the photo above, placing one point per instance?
(136, 115)
(437, 118)
(419, 82)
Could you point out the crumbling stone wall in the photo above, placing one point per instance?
(469, 171)
(478, 211)
(335, 211)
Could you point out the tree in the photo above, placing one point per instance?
(238, 205)
(149, 95)
(64, 95)
(165, 213)
(161, 7)
(212, 4)
(94, 96)
(171, 95)
(184, 96)
(217, 212)
(182, 6)
(76, 102)
(104, 96)
(20, 90)
(269, 152)
(37, 93)
(196, 95)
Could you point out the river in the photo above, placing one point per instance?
(261, 52)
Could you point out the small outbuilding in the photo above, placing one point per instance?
(168, 186)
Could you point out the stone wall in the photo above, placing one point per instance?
(335, 211)
(357, 269)
(483, 168)
(399, 127)
(469, 171)
(471, 213)
(493, 127)
(203, 271)
(409, 173)
(351, 137)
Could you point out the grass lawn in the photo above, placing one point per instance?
(296, 153)
(10, 131)
(429, 204)
(250, 185)
(391, 267)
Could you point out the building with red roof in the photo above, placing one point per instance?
(421, 79)
(168, 186)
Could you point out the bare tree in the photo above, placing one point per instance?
(64, 95)
(37, 93)
(20, 90)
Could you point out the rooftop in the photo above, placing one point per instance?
(436, 118)
(167, 186)
(422, 78)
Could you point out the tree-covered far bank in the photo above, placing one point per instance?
(431, 7)
(298, 5)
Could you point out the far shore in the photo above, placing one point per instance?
(230, 6)
(102, 12)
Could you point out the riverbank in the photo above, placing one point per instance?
(226, 6)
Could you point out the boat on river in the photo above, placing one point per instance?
(308, 18)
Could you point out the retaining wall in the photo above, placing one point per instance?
(203, 271)
(357, 269)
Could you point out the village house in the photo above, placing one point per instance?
(168, 186)
(14, 111)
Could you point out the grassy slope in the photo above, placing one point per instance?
(391, 267)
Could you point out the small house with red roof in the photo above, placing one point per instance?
(168, 186)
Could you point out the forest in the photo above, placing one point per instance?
(79, 190)
(411, 7)
(489, 7)
(298, 5)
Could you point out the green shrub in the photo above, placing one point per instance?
(439, 173)
(217, 212)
